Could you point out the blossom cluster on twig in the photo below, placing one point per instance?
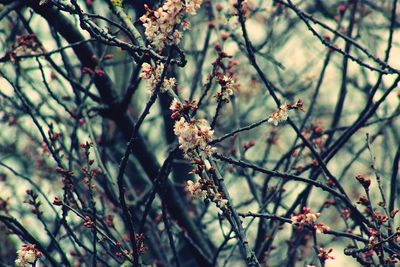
(161, 25)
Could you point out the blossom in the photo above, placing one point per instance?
(279, 115)
(27, 255)
(282, 113)
(309, 218)
(321, 228)
(192, 6)
(229, 85)
(178, 109)
(219, 200)
(168, 84)
(200, 190)
(146, 71)
(176, 105)
(153, 74)
(161, 24)
(306, 216)
(194, 134)
(195, 190)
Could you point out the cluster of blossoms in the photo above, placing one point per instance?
(153, 74)
(25, 45)
(219, 200)
(225, 75)
(192, 135)
(228, 86)
(203, 190)
(196, 189)
(306, 216)
(161, 24)
(282, 114)
(309, 218)
(178, 109)
(27, 255)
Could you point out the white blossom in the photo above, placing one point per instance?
(27, 255)
(161, 24)
(195, 190)
(192, 135)
(279, 115)
(153, 75)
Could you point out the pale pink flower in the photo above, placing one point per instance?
(279, 115)
(195, 134)
(27, 255)
(153, 75)
(195, 190)
(192, 6)
(161, 25)
(305, 217)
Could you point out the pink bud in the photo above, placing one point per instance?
(342, 9)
